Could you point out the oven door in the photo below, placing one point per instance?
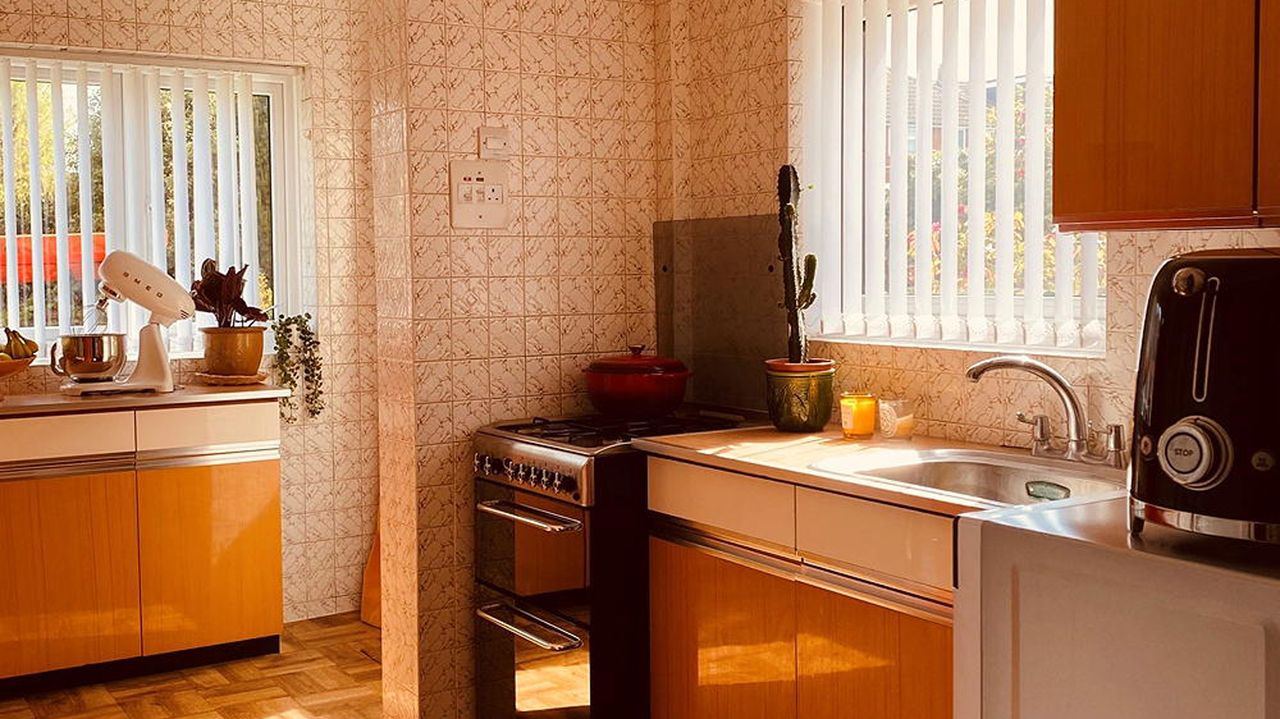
(529, 545)
(530, 664)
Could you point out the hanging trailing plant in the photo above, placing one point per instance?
(297, 362)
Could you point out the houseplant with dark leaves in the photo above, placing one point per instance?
(799, 388)
(234, 347)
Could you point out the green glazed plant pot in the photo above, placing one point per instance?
(800, 395)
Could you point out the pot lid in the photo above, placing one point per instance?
(637, 362)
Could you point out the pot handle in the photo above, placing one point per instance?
(54, 363)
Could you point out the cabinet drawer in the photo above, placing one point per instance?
(71, 435)
(749, 506)
(193, 427)
(877, 541)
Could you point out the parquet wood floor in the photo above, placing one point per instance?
(328, 668)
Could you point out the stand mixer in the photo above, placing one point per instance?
(126, 276)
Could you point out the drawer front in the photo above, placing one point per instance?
(882, 543)
(72, 435)
(755, 508)
(197, 427)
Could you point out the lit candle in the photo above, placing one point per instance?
(858, 415)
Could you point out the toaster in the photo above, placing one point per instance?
(1207, 403)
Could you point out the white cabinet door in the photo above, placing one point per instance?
(1067, 629)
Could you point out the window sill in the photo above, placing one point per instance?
(953, 346)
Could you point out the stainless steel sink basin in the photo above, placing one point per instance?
(995, 477)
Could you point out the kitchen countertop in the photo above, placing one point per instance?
(788, 457)
(1103, 523)
(35, 405)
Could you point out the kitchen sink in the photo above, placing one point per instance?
(996, 477)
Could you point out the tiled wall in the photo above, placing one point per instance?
(476, 326)
(330, 464)
(955, 408)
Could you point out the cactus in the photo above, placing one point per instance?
(797, 277)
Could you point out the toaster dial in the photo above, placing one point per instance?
(1195, 452)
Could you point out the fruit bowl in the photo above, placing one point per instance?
(12, 367)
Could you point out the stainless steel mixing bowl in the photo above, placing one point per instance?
(88, 357)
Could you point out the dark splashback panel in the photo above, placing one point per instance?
(718, 290)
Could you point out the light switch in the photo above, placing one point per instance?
(478, 194)
(495, 143)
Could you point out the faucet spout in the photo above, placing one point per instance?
(1076, 430)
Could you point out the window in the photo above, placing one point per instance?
(174, 164)
(932, 220)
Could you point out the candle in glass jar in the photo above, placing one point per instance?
(858, 414)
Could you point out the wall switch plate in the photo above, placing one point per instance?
(478, 194)
(495, 143)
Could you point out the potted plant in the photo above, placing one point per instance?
(234, 347)
(799, 388)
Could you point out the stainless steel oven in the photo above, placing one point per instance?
(531, 664)
(562, 614)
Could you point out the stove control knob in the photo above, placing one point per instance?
(486, 463)
(522, 472)
(567, 484)
(509, 468)
(1195, 452)
(477, 461)
(546, 478)
(533, 475)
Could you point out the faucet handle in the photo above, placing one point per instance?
(1039, 426)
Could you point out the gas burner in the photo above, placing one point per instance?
(593, 431)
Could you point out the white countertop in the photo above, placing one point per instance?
(1102, 523)
(789, 457)
(35, 405)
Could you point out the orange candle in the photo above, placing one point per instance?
(858, 415)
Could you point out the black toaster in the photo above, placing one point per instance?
(1207, 404)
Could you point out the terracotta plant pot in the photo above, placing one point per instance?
(233, 351)
(800, 395)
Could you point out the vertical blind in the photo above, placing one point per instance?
(160, 161)
(932, 222)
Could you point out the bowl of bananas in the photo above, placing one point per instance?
(16, 353)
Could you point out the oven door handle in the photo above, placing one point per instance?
(564, 641)
(530, 516)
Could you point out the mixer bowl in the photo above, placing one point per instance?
(89, 357)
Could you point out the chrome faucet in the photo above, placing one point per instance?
(1077, 447)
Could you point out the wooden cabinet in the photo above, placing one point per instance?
(210, 554)
(1154, 113)
(723, 638)
(734, 641)
(857, 659)
(1269, 111)
(68, 571)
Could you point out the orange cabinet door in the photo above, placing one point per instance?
(1269, 112)
(857, 659)
(722, 638)
(210, 554)
(68, 572)
(1154, 113)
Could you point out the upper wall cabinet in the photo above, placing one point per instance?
(1154, 110)
(1269, 112)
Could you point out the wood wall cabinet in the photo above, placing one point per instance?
(1269, 112)
(68, 571)
(210, 554)
(731, 641)
(1154, 110)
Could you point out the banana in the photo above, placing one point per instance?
(5, 357)
(17, 346)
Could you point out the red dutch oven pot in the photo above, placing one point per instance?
(636, 384)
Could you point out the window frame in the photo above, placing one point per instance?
(291, 167)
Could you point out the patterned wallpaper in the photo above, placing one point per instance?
(475, 326)
(330, 464)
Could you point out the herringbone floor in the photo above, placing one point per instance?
(327, 668)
